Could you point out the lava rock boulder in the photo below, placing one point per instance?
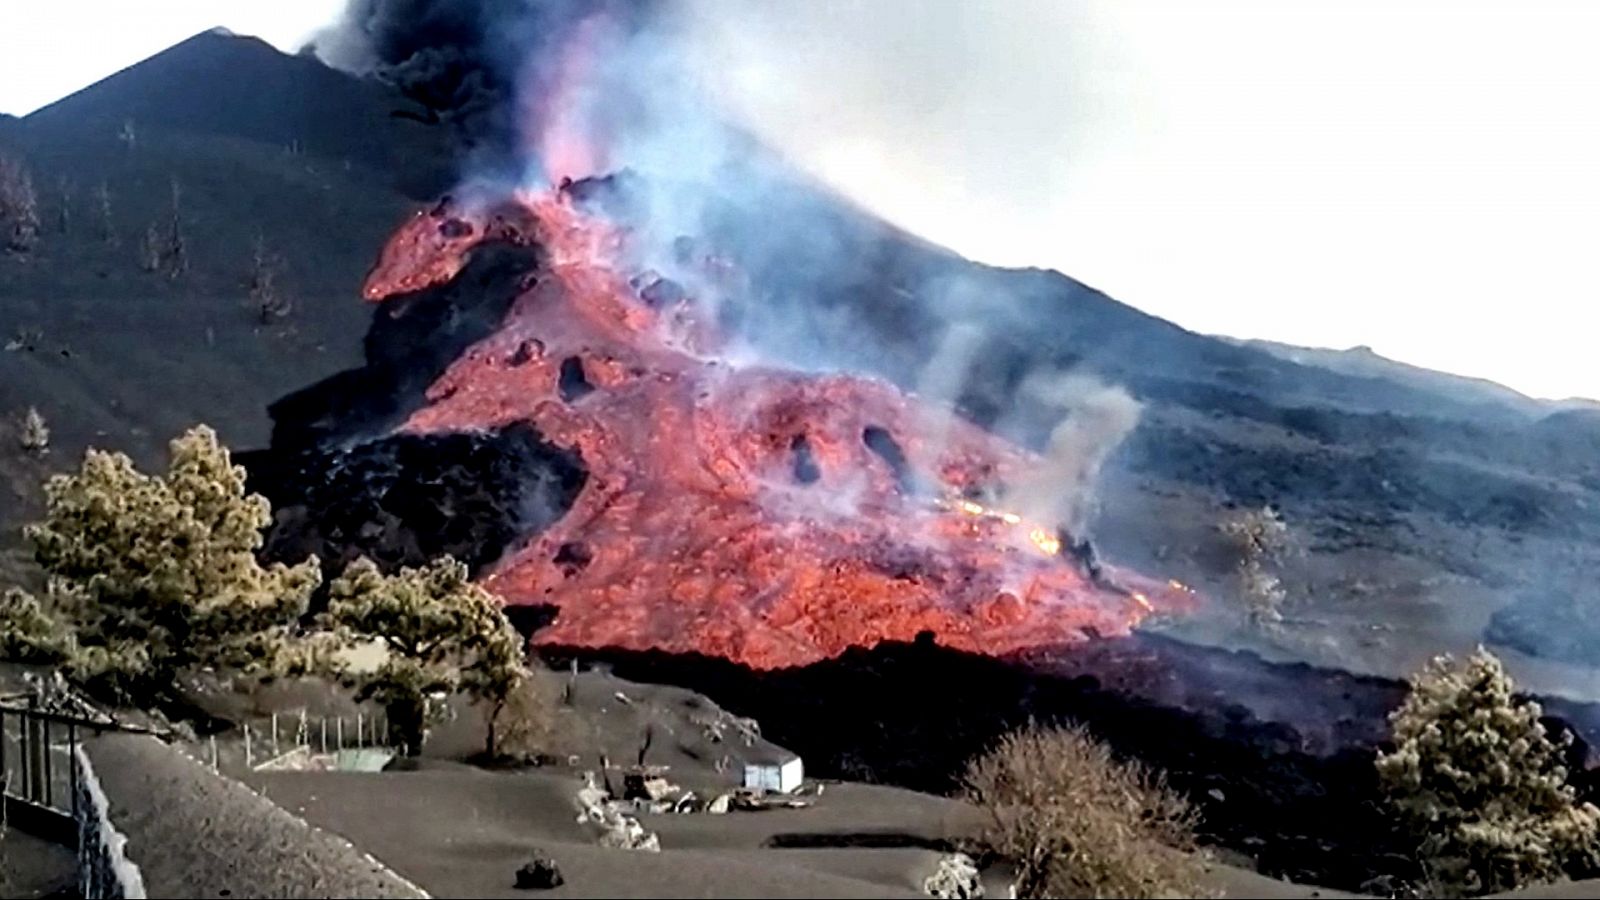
(540, 873)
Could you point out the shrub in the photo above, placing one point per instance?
(1481, 785)
(443, 634)
(150, 575)
(1078, 823)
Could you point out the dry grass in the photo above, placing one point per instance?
(1076, 822)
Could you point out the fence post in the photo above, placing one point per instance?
(274, 734)
(338, 731)
(30, 752)
(358, 730)
(213, 742)
(249, 760)
(72, 766)
(44, 747)
(324, 735)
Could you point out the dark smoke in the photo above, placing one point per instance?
(460, 61)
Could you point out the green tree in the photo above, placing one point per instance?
(441, 634)
(28, 633)
(1481, 785)
(150, 575)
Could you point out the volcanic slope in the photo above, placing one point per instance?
(254, 148)
(1419, 511)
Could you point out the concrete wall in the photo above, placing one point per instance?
(156, 820)
(104, 870)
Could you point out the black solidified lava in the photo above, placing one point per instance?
(411, 341)
(572, 384)
(881, 442)
(573, 557)
(343, 484)
(408, 499)
(805, 462)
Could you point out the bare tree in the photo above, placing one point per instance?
(1260, 538)
(163, 248)
(266, 295)
(177, 258)
(102, 202)
(150, 249)
(64, 205)
(1075, 822)
(34, 435)
(19, 206)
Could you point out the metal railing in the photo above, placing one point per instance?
(38, 780)
(38, 766)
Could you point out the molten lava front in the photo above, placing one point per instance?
(770, 517)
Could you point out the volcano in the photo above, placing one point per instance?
(767, 516)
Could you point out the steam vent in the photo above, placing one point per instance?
(770, 517)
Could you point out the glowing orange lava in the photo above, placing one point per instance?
(747, 513)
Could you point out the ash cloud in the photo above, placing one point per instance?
(460, 61)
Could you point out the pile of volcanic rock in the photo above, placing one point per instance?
(618, 827)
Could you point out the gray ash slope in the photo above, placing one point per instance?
(1413, 502)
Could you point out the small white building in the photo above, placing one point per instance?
(778, 771)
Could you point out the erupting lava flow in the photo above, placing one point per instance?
(769, 517)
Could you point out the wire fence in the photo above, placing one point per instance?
(297, 739)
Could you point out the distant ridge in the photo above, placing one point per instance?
(1364, 362)
(221, 84)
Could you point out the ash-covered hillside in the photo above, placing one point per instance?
(1420, 510)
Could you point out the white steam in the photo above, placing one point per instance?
(1061, 489)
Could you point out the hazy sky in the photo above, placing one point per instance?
(1420, 177)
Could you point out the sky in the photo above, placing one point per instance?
(1419, 177)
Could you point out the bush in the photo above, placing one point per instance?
(1481, 786)
(150, 575)
(443, 634)
(1078, 823)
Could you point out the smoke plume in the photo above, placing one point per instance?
(1061, 488)
(559, 89)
